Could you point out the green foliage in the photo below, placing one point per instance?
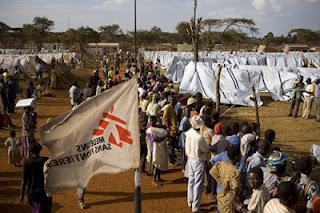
(155, 29)
(226, 30)
(300, 36)
(42, 24)
(110, 33)
(79, 38)
(305, 36)
(37, 32)
(4, 27)
(183, 32)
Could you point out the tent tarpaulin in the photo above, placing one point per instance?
(235, 85)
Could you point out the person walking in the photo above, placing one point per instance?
(196, 149)
(33, 179)
(26, 132)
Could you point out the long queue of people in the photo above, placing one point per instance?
(229, 162)
(241, 171)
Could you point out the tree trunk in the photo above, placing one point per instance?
(218, 74)
(257, 110)
(195, 32)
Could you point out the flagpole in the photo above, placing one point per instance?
(135, 33)
(137, 194)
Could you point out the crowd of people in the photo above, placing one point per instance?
(224, 159)
(230, 162)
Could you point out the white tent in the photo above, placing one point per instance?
(235, 85)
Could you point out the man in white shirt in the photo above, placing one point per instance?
(196, 149)
(308, 96)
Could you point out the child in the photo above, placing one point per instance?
(260, 194)
(12, 143)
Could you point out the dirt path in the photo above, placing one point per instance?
(115, 193)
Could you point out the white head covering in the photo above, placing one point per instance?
(196, 122)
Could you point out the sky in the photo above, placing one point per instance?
(277, 16)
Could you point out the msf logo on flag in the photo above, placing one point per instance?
(114, 123)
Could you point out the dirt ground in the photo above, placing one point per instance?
(115, 193)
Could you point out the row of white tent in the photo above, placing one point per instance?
(26, 62)
(293, 59)
(236, 80)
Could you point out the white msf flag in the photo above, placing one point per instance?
(100, 136)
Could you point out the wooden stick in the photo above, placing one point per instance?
(257, 110)
(218, 88)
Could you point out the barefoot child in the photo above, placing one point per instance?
(12, 143)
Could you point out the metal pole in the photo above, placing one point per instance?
(137, 193)
(195, 12)
(135, 33)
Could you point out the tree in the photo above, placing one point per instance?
(110, 32)
(79, 38)
(156, 29)
(4, 27)
(215, 29)
(4, 33)
(40, 28)
(305, 36)
(30, 34)
(195, 28)
(182, 29)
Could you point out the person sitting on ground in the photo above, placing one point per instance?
(287, 198)
(260, 194)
